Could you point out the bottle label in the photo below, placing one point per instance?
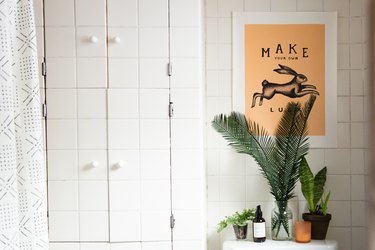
(259, 229)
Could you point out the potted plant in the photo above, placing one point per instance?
(239, 222)
(278, 156)
(313, 191)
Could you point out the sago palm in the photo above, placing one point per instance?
(278, 156)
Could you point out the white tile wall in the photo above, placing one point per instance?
(233, 181)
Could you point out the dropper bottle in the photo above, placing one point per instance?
(259, 226)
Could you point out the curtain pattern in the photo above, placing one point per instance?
(23, 211)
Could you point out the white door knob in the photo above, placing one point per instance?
(120, 164)
(116, 39)
(93, 39)
(94, 164)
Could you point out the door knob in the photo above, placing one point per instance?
(93, 39)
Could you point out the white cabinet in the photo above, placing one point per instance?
(119, 166)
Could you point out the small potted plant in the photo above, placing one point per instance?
(313, 191)
(239, 222)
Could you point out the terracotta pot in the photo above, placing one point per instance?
(240, 231)
(319, 225)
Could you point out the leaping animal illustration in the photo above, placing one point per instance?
(293, 89)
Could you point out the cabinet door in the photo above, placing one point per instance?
(77, 120)
(138, 122)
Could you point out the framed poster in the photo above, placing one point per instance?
(283, 57)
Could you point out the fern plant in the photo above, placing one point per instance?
(278, 156)
(239, 219)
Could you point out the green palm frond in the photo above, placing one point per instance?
(279, 156)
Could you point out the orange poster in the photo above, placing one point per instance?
(284, 63)
(287, 57)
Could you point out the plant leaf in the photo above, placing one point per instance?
(319, 182)
(306, 178)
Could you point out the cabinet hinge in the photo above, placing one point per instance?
(170, 109)
(44, 110)
(172, 221)
(169, 69)
(44, 68)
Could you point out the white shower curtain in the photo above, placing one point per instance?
(23, 213)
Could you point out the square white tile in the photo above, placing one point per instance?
(123, 134)
(62, 165)
(125, 226)
(153, 103)
(61, 73)
(96, 16)
(62, 103)
(59, 12)
(60, 42)
(93, 195)
(92, 103)
(187, 167)
(335, 183)
(123, 103)
(185, 13)
(124, 164)
(92, 134)
(226, 7)
(123, 73)
(91, 72)
(63, 226)
(186, 73)
(153, 13)
(122, 42)
(343, 31)
(153, 42)
(154, 134)
(150, 201)
(185, 42)
(62, 134)
(190, 225)
(122, 13)
(187, 194)
(155, 226)
(187, 103)
(94, 226)
(125, 195)
(91, 41)
(154, 164)
(93, 165)
(283, 6)
(187, 133)
(310, 5)
(153, 73)
(341, 6)
(343, 82)
(63, 195)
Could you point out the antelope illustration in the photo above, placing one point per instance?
(293, 89)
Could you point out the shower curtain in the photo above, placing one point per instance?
(23, 212)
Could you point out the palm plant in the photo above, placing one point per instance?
(278, 156)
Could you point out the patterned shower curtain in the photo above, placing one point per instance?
(23, 212)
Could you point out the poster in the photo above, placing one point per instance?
(283, 57)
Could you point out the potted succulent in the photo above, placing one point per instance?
(278, 156)
(239, 222)
(313, 190)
